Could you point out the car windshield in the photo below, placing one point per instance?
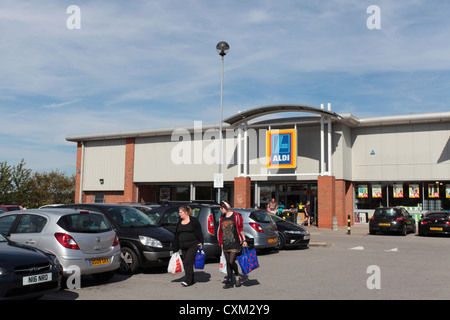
(84, 223)
(437, 215)
(2, 238)
(277, 218)
(130, 217)
(386, 212)
(260, 216)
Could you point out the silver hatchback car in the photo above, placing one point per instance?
(259, 228)
(77, 238)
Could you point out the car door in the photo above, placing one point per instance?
(28, 229)
(409, 220)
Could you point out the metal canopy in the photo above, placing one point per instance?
(265, 110)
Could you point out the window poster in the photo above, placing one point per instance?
(376, 191)
(433, 190)
(362, 191)
(447, 191)
(398, 190)
(414, 191)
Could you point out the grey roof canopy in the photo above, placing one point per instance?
(265, 110)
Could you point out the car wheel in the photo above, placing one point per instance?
(281, 242)
(404, 230)
(128, 261)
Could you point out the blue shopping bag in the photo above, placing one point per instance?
(199, 259)
(248, 260)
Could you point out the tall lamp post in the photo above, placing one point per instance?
(222, 49)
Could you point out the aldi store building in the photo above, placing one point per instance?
(342, 164)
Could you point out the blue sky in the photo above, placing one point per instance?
(150, 64)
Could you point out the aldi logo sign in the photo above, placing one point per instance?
(281, 148)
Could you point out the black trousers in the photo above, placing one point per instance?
(188, 251)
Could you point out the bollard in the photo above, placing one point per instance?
(349, 225)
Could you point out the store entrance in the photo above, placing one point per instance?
(295, 196)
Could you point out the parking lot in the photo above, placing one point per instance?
(335, 266)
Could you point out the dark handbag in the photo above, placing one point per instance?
(248, 260)
(199, 259)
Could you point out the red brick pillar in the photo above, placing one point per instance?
(130, 190)
(78, 172)
(344, 201)
(242, 192)
(326, 198)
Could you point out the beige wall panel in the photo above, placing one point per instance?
(104, 159)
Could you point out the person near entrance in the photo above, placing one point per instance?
(307, 213)
(272, 206)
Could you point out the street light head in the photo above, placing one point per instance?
(222, 48)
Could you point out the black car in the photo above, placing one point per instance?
(142, 241)
(395, 219)
(435, 222)
(208, 216)
(27, 272)
(290, 234)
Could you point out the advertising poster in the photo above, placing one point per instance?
(447, 191)
(414, 191)
(376, 191)
(398, 190)
(433, 190)
(362, 191)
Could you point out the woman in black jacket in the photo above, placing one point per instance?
(188, 237)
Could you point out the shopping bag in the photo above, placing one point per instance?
(223, 263)
(199, 259)
(175, 264)
(248, 260)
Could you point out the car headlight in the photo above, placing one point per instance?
(56, 263)
(3, 272)
(147, 241)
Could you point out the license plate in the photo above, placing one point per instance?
(436, 229)
(271, 240)
(98, 262)
(385, 224)
(39, 278)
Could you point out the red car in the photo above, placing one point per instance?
(10, 207)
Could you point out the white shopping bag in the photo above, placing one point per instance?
(223, 263)
(175, 264)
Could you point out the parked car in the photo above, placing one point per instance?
(290, 234)
(27, 272)
(435, 222)
(144, 207)
(259, 229)
(394, 219)
(82, 238)
(10, 207)
(143, 242)
(208, 216)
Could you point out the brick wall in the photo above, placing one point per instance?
(78, 173)
(242, 193)
(335, 198)
(130, 189)
(326, 195)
